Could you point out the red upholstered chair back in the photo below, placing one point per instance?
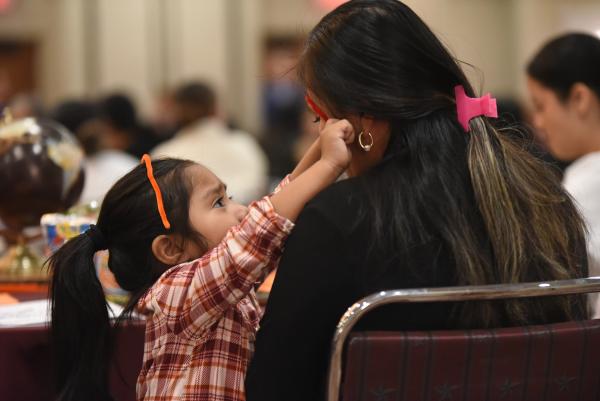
(549, 362)
(552, 362)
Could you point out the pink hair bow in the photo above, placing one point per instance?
(469, 108)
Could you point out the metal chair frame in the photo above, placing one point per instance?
(442, 294)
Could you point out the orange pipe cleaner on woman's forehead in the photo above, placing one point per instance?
(159, 200)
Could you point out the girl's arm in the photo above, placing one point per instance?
(312, 155)
(193, 296)
(334, 158)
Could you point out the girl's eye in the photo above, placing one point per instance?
(317, 119)
(219, 203)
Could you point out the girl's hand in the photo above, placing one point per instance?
(335, 138)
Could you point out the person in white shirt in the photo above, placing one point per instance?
(102, 170)
(233, 155)
(564, 84)
(104, 164)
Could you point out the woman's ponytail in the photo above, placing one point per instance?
(80, 322)
(534, 229)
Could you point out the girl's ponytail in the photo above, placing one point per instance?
(80, 322)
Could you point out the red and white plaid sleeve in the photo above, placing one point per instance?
(286, 180)
(193, 296)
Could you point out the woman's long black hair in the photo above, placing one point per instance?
(502, 214)
(128, 221)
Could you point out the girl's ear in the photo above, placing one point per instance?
(167, 249)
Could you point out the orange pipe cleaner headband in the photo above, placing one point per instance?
(315, 108)
(159, 200)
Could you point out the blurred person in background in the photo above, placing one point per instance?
(283, 104)
(564, 84)
(103, 165)
(121, 128)
(163, 119)
(516, 122)
(233, 155)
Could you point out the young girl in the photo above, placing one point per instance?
(202, 313)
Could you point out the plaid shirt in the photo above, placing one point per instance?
(203, 315)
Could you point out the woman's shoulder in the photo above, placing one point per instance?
(340, 198)
(348, 190)
(339, 206)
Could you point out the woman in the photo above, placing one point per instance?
(427, 204)
(564, 83)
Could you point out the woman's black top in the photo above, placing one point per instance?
(327, 266)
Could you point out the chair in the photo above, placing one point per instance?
(26, 370)
(547, 362)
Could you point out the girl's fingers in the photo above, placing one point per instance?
(340, 128)
(350, 137)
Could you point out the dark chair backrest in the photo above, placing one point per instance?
(27, 374)
(549, 362)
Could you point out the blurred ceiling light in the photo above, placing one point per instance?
(328, 5)
(5, 5)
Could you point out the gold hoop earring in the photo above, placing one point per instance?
(365, 146)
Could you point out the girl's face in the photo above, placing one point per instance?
(212, 213)
(557, 121)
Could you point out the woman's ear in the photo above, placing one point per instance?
(375, 126)
(168, 249)
(365, 123)
(581, 99)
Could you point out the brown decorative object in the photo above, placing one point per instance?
(41, 171)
